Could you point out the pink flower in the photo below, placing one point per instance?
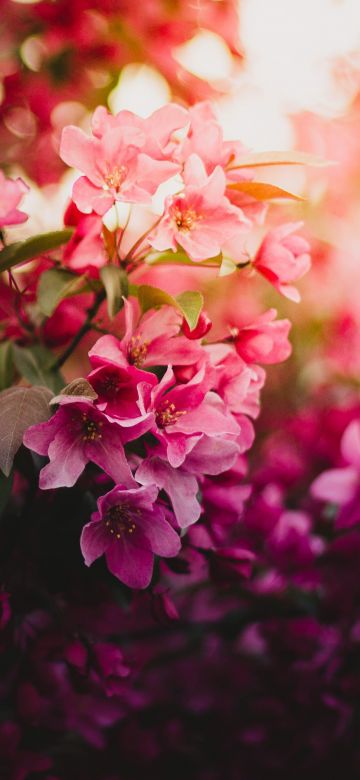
(208, 456)
(201, 218)
(236, 382)
(264, 341)
(115, 167)
(158, 128)
(76, 434)
(283, 258)
(11, 193)
(342, 485)
(86, 251)
(129, 528)
(182, 414)
(153, 340)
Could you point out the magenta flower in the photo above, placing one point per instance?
(264, 340)
(129, 528)
(11, 193)
(200, 219)
(182, 414)
(208, 456)
(283, 258)
(115, 168)
(153, 340)
(341, 486)
(76, 434)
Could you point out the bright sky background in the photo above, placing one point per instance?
(291, 47)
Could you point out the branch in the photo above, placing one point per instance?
(86, 326)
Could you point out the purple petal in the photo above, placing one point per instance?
(94, 541)
(132, 565)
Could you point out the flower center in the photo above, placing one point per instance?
(114, 179)
(108, 385)
(137, 351)
(90, 428)
(167, 414)
(185, 219)
(119, 520)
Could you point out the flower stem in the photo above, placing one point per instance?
(86, 326)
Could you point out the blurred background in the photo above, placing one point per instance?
(257, 681)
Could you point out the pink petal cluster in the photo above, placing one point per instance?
(120, 161)
(149, 434)
(283, 258)
(265, 340)
(127, 158)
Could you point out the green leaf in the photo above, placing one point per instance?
(227, 267)
(116, 285)
(6, 364)
(189, 304)
(20, 407)
(55, 285)
(255, 159)
(181, 258)
(6, 483)
(34, 364)
(78, 387)
(36, 245)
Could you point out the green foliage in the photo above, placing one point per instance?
(21, 251)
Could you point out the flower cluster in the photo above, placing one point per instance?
(149, 434)
(58, 60)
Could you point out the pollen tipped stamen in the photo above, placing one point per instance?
(185, 219)
(137, 351)
(90, 428)
(167, 414)
(119, 520)
(115, 178)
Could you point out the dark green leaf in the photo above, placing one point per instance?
(6, 364)
(20, 407)
(36, 245)
(116, 285)
(34, 364)
(55, 285)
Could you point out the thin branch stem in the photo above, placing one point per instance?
(86, 326)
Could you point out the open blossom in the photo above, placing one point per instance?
(210, 455)
(152, 340)
(76, 434)
(115, 165)
(200, 219)
(284, 258)
(11, 193)
(182, 414)
(265, 340)
(341, 486)
(129, 528)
